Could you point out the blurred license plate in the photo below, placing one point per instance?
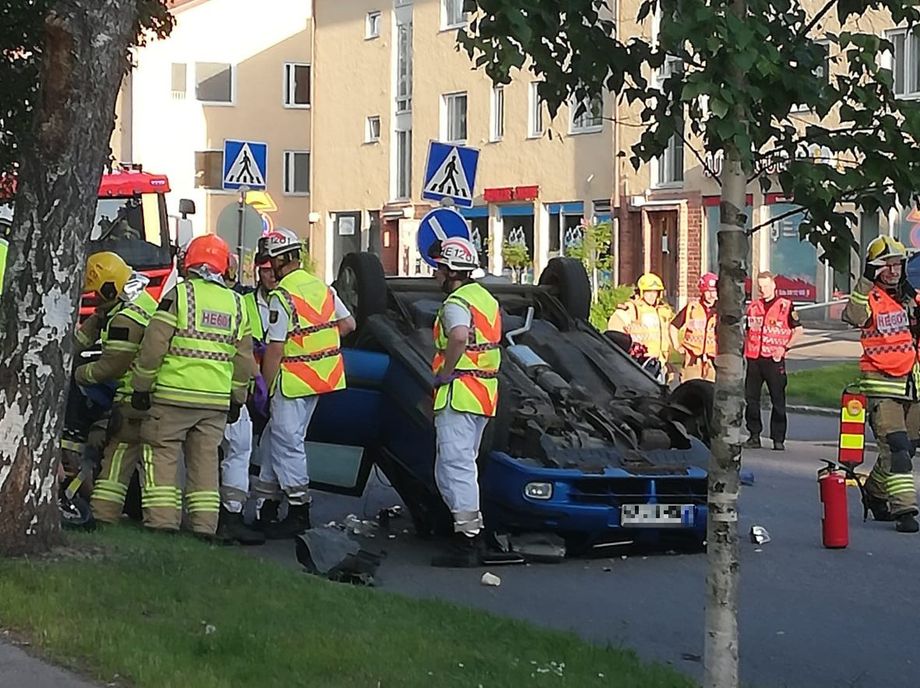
(638, 515)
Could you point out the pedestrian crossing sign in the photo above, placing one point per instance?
(450, 173)
(245, 164)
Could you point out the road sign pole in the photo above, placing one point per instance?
(239, 232)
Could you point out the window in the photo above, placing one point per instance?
(453, 119)
(403, 164)
(452, 14)
(209, 169)
(535, 116)
(671, 163)
(297, 85)
(498, 113)
(214, 82)
(372, 130)
(296, 172)
(179, 80)
(404, 64)
(372, 25)
(905, 66)
(588, 119)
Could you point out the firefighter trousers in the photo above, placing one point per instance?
(284, 456)
(168, 431)
(234, 468)
(896, 425)
(120, 459)
(455, 471)
(773, 373)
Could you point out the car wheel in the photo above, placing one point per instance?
(567, 281)
(691, 403)
(361, 285)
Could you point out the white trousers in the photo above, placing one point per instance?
(234, 469)
(284, 457)
(455, 471)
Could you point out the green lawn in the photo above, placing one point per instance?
(821, 386)
(171, 612)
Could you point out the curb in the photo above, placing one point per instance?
(812, 410)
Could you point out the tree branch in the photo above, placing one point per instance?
(782, 216)
(818, 17)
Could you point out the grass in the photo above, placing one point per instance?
(821, 386)
(171, 612)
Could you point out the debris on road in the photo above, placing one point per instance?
(544, 548)
(490, 579)
(331, 553)
(747, 477)
(355, 525)
(759, 535)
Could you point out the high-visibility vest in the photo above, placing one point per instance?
(198, 367)
(650, 327)
(768, 330)
(255, 316)
(889, 349)
(475, 390)
(312, 361)
(4, 250)
(699, 330)
(140, 310)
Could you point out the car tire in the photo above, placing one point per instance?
(697, 398)
(361, 284)
(567, 281)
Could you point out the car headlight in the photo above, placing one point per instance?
(538, 490)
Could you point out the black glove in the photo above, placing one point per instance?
(140, 401)
(870, 272)
(908, 289)
(233, 414)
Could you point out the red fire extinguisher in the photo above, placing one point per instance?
(832, 487)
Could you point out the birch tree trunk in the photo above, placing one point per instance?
(85, 58)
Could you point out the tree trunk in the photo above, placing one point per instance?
(85, 58)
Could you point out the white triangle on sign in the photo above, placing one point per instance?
(244, 169)
(450, 178)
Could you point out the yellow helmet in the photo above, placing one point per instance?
(106, 274)
(650, 282)
(884, 248)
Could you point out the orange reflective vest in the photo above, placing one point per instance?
(888, 344)
(475, 390)
(312, 360)
(699, 331)
(768, 330)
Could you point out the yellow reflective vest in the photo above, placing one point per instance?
(698, 333)
(4, 250)
(647, 325)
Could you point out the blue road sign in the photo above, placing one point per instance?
(245, 164)
(450, 173)
(440, 223)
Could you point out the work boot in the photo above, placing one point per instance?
(752, 442)
(231, 528)
(461, 553)
(879, 508)
(297, 521)
(268, 514)
(778, 445)
(907, 523)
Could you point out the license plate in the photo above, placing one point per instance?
(656, 515)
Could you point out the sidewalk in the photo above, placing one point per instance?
(20, 670)
(819, 348)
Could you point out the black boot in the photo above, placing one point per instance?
(752, 442)
(230, 528)
(907, 523)
(879, 508)
(461, 553)
(268, 514)
(297, 521)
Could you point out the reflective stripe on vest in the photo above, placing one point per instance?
(4, 250)
(140, 310)
(476, 388)
(198, 367)
(888, 344)
(768, 330)
(255, 316)
(312, 361)
(650, 328)
(699, 330)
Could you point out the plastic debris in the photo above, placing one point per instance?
(490, 579)
(546, 548)
(759, 535)
(747, 477)
(355, 525)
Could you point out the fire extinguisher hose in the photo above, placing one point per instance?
(851, 474)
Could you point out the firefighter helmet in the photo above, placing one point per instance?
(885, 248)
(209, 250)
(106, 274)
(709, 281)
(650, 282)
(455, 253)
(279, 242)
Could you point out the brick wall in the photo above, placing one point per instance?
(694, 257)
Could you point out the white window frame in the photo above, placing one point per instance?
(372, 25)
(402, 192)
(909, 63)
(577, 123)
(497, 124)
(290, 82)
(535, 112)
(448, 22)
(216, 103)
(369, 136)
(664, 165)
(447, 101)
(288, 172)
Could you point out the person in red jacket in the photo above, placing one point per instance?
(772, 327)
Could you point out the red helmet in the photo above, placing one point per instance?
(209, 250)
(709, 281)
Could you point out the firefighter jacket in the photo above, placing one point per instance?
(475, 387)
(768, 329)
(888, 333)
(647, 325)
(312, 360)
(197, 352)
(121, 338)
(698, 334)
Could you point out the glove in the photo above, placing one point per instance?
(258, 349)
(870, 272)
(140, 401)
(908, 289)
(260, 396)
(441, 379)
(233, 415)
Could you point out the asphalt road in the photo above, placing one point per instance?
(809, 617)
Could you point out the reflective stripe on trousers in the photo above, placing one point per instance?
(234, 469)
(284, 457)
(455, 470)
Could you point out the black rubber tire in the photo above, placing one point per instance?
(697, 396)
(362, 285)
(568, 282)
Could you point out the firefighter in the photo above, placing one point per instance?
(773, 326)
(302, 361)
(191, 377)
(884, 306)
(646, 318)
(467, 333)
(4, 251)
(125, 309)
(693, 332)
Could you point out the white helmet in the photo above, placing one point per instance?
(279, 241)
(456, 253)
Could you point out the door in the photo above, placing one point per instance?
(347, 228)
(663, 249)
(389, 247)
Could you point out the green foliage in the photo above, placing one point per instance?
(515, 256)
(594, 250)
(742, 83)
(608, 298)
